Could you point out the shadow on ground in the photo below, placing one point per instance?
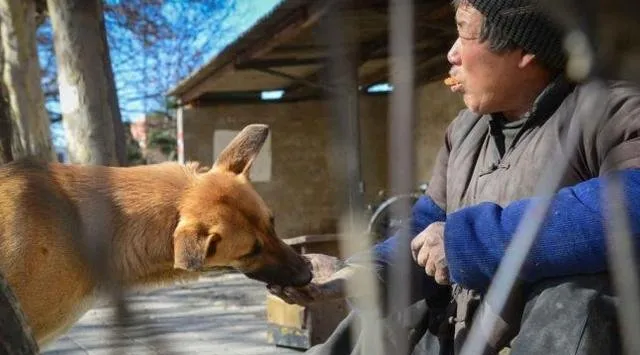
(219, 314)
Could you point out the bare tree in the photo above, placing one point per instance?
(28, 119)
(159, 42)
(88, 101)
(153, 45)
(5, 118)
(5, 126)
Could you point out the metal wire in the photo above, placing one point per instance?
(345, 128)
(94, 246)
(622, 259)
(401, 123)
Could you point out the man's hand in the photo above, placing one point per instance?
(328, 282)
(427, 249)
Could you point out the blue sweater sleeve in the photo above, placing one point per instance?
(571, 240)
(424, 212)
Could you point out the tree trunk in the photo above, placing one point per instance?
(118, 125)
(21, 74)
(15, 335)
(5, 125)
(88, 101)
(5, 116)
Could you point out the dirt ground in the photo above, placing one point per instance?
(219, 314)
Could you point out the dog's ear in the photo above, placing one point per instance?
(192, 244)
(238, 156)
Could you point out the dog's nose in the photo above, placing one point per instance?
(302, 277)
(285, 267)
(300, 270)
(297, 273)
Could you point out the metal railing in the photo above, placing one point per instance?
(587, 63)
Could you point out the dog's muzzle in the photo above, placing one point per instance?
(280, 276)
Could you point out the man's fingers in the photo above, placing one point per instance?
(441, 263)
(430, 267)
(423, 256)
(322, 265)
(416, 245)
(313, 292)
(289, 294)
(298, 296)
(442, 276)
(432, 240)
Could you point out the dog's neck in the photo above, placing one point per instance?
(147, 255)
(143, 205)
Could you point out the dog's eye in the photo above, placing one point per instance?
(257, 248)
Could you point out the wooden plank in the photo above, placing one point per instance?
(283, 314)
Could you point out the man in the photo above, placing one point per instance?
(508, 64)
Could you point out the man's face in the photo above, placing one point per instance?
(486, 79)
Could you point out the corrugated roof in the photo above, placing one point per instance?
(286, 50)
(264, 24)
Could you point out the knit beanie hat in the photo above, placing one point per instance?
(524, 23)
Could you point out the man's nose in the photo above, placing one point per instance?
(453, 56)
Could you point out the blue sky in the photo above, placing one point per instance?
(247, 13)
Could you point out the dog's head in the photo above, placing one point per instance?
(225, 223)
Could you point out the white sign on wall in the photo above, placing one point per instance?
(261, 168)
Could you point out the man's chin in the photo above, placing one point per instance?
(474, 106)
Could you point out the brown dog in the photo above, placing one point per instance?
(156, 224)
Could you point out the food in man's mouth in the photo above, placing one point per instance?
(450, 81)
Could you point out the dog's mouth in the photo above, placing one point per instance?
(277, 276)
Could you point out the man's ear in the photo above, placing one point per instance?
(238, 156)
(526, 60)
(192, 245)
